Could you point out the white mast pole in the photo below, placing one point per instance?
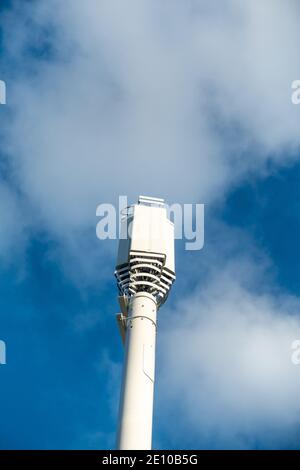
(145, 272)
(136, 405)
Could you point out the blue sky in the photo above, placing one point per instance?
(110, 99)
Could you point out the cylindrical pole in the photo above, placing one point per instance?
(136, 403)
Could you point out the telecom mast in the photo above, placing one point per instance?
(145, 272)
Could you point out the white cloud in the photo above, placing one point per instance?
(225, 369)
(178, 99)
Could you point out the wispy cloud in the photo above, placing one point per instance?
(176, 98)
(225, 360)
